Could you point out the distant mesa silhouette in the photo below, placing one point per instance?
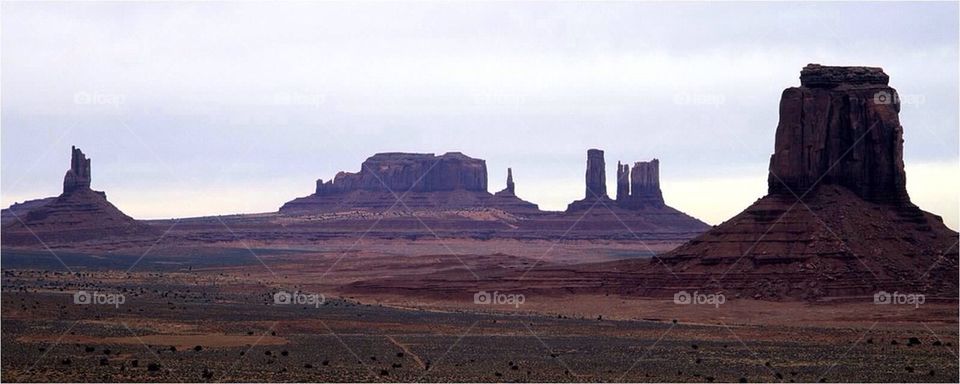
(421, 181)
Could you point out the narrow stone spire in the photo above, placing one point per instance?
(596, 177)
(510, 184)
(78, 176)
(623, 181)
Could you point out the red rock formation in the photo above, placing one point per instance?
(424, 181)
(644, 182)
(855, 232)
(417, 172)
(508, 201)
(596, 176)
(78, 176)
(623, 182)
(596, 184)
(78, 214)
(840, 127)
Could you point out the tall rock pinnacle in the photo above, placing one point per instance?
(510, 185)
(596, 175)
(623, 182)
(78, 176)
(840, 127)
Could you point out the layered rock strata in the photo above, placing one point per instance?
(837, 219)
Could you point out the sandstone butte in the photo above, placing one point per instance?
(78, 214)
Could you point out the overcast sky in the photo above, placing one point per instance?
(214, 108)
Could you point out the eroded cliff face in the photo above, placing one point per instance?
(78, 176)
(840, 127)
(416, 172)
(452, 181)
(839, 147)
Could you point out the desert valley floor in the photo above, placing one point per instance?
(208, 314)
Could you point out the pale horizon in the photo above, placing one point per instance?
(184, 117)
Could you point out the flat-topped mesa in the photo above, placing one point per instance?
(840, 127)
(415, 172)
(623, 182)
(596, 176)
(78, 176)
(820, 76)
(423, 181)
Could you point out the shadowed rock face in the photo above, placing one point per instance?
(838, 146)
(623, 182)
(416, 172)
(596, 175)
(840, 127)
(78, 176)
(451, 181)
(645, 185)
